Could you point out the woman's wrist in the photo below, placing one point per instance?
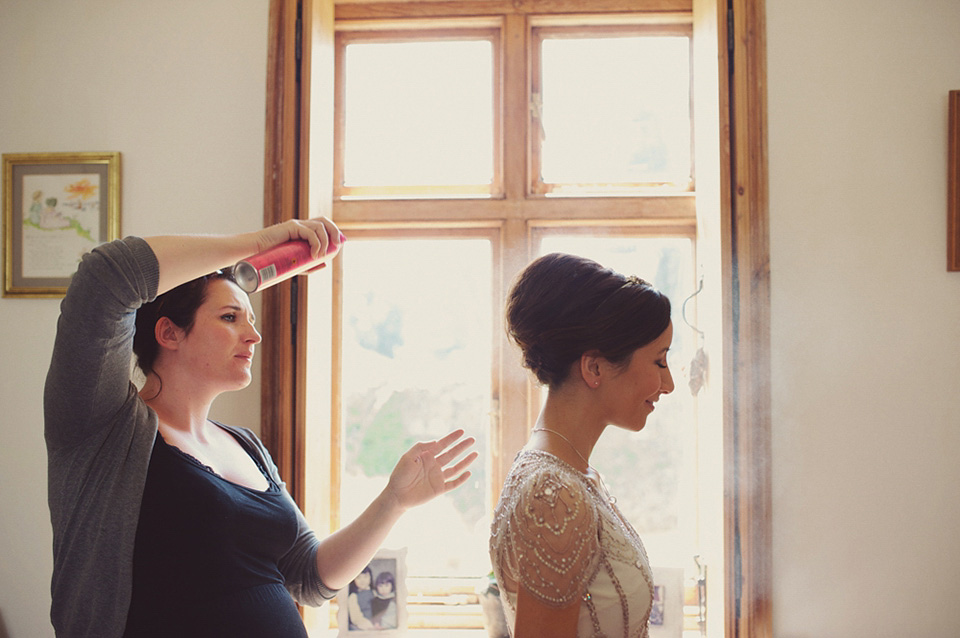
(390, 503)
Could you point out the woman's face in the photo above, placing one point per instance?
(630, 394)
(385, 588)
(220, 345)
(362, 581)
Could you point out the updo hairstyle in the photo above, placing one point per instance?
(180, 305)
(562, 306)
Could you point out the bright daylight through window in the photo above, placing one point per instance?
(409, 376)
(451, 173)
(406, 127)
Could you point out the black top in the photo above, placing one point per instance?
(207, 553)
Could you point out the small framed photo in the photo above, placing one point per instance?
(666, 615)
(374, 604)
(56, 208)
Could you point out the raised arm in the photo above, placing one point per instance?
(425, 471)
(186, 257)
(89, 377)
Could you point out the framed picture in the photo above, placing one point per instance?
(666, 614)
(56, 207)
(375, 603)
(953, 184)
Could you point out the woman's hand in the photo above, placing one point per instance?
(323, 235)
(185, 257)
(425, 471)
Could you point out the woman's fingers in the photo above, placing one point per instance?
(420, 474)
(322, 234)
(446, 440)
(438, 449)
(459, 468)
(455, 451)
(457, 482)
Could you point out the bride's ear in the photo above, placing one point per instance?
(590, 366)
(168, 334)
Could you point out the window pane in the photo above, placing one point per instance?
(616, 110)
(652, 472)
(418, 113)
(416, 364)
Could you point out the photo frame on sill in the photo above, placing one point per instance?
(666, 614)
(375, 603)
(56, 208)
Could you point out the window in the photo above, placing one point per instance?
(418, 116)
(417, 344)
(614, 110)
(651, 473)
(459, 157)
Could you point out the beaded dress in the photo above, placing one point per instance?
(557, 533)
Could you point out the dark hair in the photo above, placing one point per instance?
(180, 306)
(385, 577)
(353, 583)
(562, 306)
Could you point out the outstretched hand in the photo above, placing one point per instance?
(425, 470)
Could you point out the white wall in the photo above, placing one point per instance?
(866, 322)
(178, 87)
(865, 319)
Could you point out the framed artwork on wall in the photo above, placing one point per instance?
(374, 604)
(56, 207)
(953, 184)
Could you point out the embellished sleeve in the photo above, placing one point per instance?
(547, 531)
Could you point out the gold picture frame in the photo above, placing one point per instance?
(953, 183)
(56, 207)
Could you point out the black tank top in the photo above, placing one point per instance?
(206, 555)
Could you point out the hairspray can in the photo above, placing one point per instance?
(276, 264)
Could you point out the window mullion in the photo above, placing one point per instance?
(514, 84)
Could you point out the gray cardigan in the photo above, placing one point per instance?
(100, 436)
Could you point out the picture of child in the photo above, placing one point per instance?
(384, 604)
(372, 598)
(374, 603)
(360, 600)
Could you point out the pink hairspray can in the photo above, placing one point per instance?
(277, 264)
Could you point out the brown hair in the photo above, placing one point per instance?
(562, 306)
(180, 305)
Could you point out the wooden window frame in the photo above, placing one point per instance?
(410, 230)
(677, 24)
(475, 29)
(517, 210)
(744, 217)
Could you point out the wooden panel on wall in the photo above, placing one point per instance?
(953, 183)
(749, 528)
(280, 202)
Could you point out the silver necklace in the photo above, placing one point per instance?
(572, 446)
(610, 497)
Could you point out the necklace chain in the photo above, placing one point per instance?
(572, 446)
(612, 499)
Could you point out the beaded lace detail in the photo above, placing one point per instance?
(557, 533)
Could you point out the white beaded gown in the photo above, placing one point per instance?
(559, 534)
